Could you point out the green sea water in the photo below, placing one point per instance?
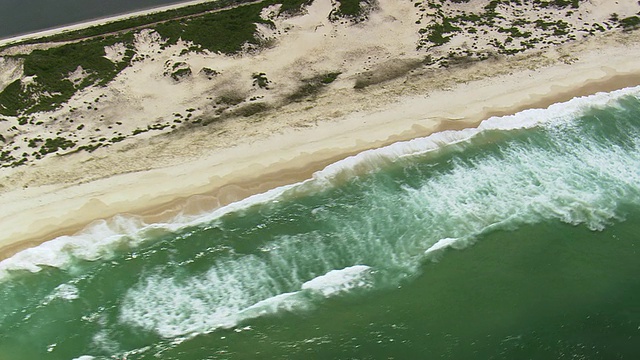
(515, 240)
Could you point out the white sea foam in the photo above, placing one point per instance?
(105, 342)
(526, 119)
(441, 244)
(64, 292)
(101, 238)
(210, 302)
(336, 281)
(287, 301)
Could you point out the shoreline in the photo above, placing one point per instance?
(293, 155)
(95, 22)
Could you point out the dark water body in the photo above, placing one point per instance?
(19, 17)
(516, 240)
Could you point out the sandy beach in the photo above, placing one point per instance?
(202, 168)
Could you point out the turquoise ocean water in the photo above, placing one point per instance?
(514, 240)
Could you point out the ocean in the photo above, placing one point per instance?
(517, 239)
(20, 17)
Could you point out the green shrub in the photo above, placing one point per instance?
(181, 73)
(312, 86)
(329, 77)
(630, 23)
(224, 32)
(52, 145)
(50, 70)
(260, 80)
(349, 8)
(292, 7)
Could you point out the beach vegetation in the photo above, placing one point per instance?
(354, 11)
(209, 73)
(33, 143)
(515, 32)
(138, 131)
(349, 8)
(558, 27)
(260, 80)
(178, 70)
(8, 160)
(437, 32)
(225, 32)
(230, 98)
(629, 23)
(250, 109)
(90, 147)
(560, 4)
(312, 86)
(52, 145)
(330, 77)
(503, 16)
(49, 70)
(181, 73)
(293, 7)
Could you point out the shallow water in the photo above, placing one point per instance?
(513, 240)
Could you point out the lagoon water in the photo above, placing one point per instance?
(517, 239)
(19, 17)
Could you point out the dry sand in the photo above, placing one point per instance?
(154, 176)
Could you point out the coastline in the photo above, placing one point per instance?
(228, 174)
(95, 22)
(31, 216)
